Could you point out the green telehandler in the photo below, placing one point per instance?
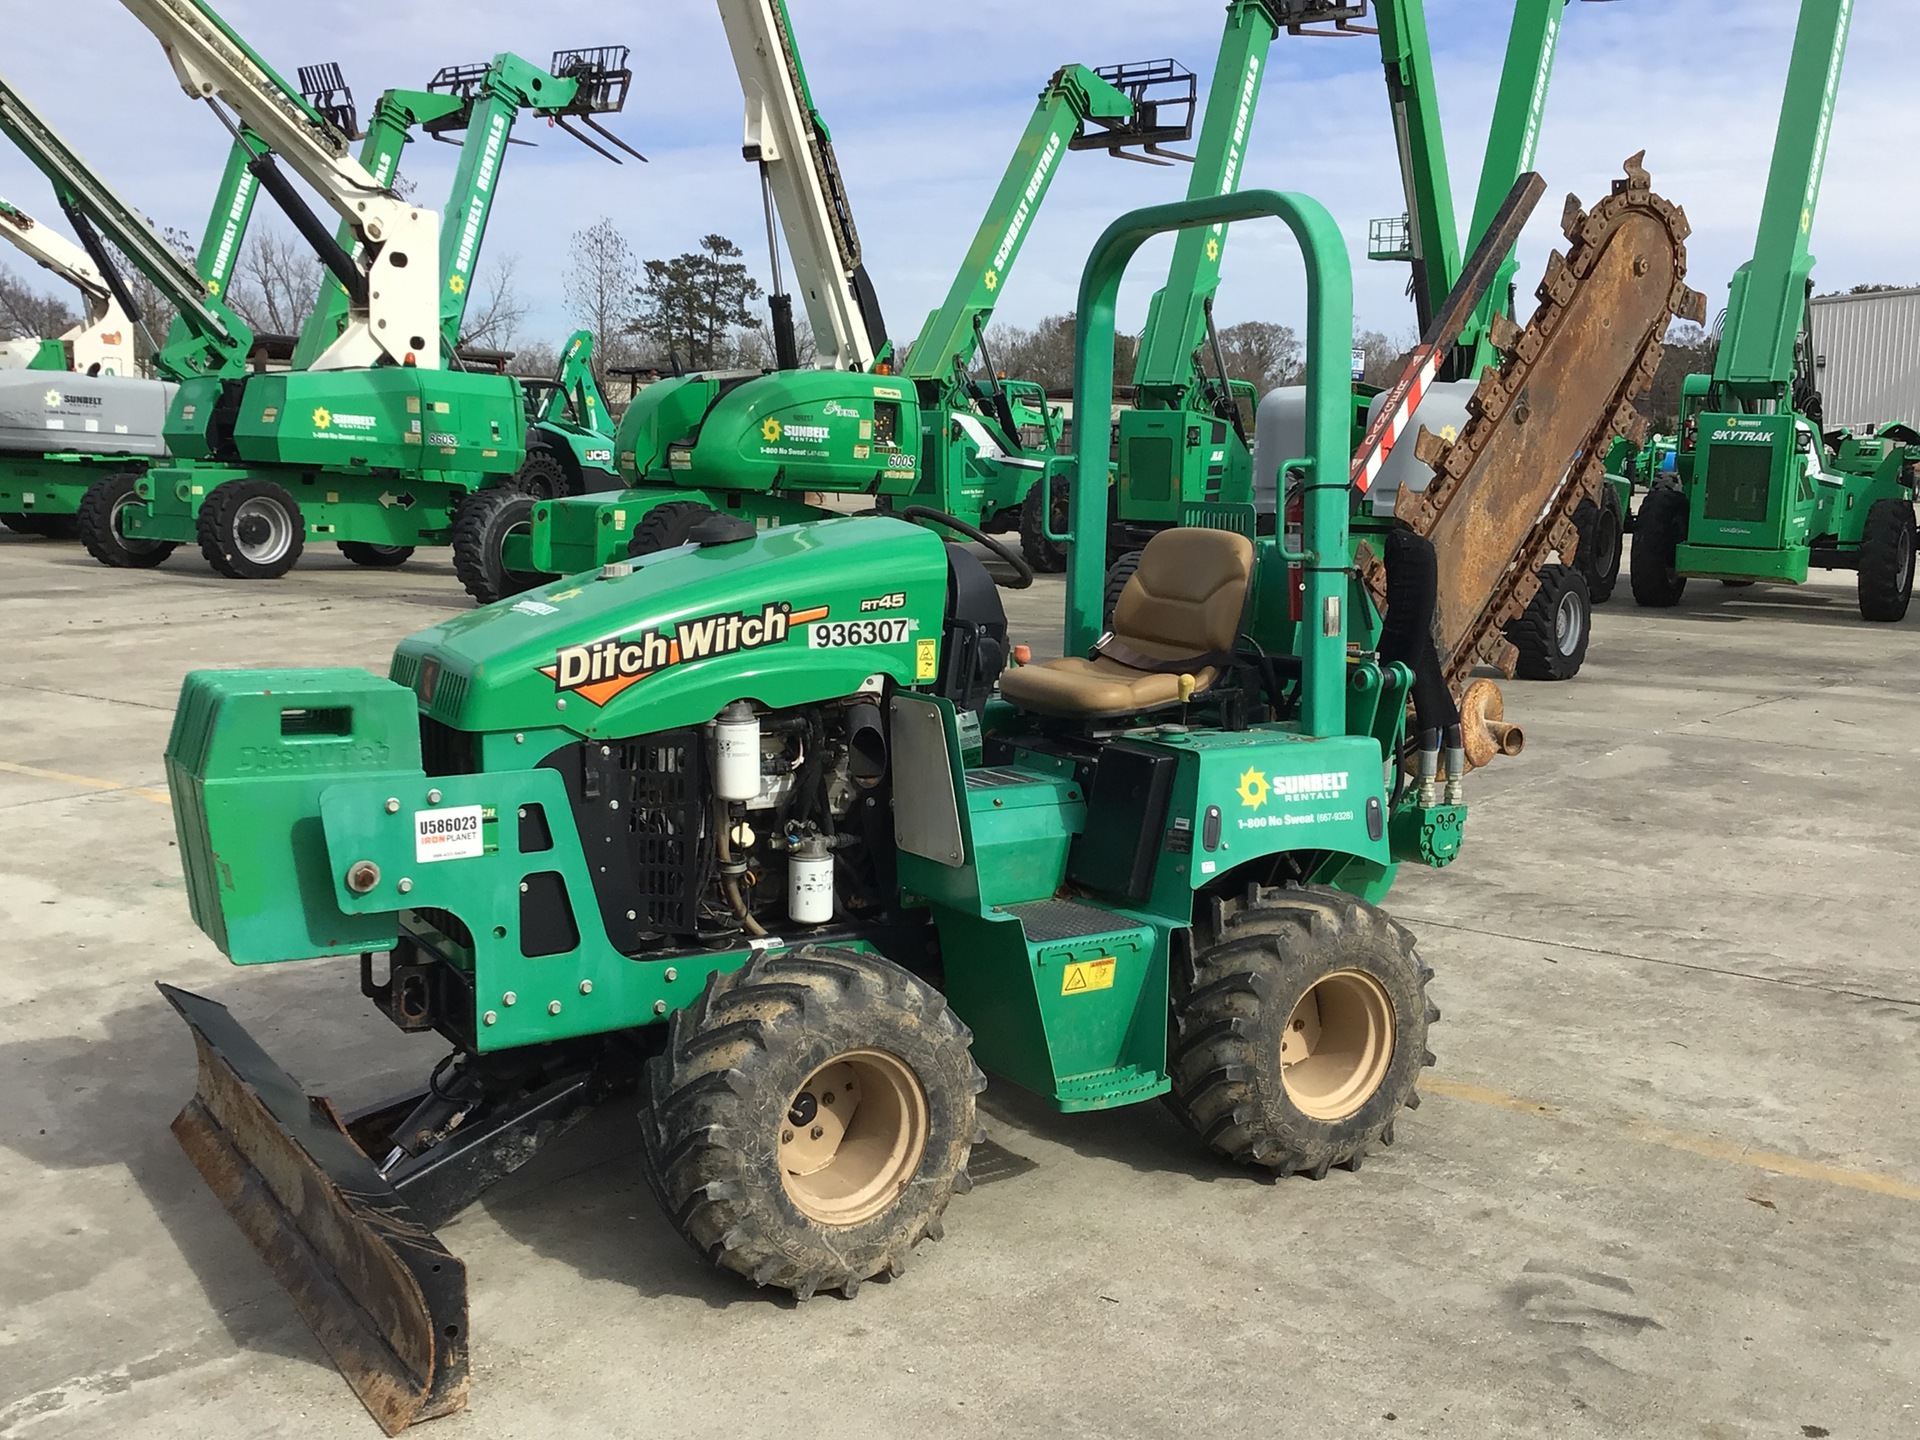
(766, 445)
(1762, 494)
(375, 442)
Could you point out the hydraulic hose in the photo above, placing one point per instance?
(1413, 584)
(1023, 572)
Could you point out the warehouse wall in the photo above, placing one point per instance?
(1871, 348)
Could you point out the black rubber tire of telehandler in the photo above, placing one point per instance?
(1118, 574)
(376, 557)
(45, 527)
(1552, 633)
(1885, 577)
(666, 526)
(1231, 1008)
(99, 524)
(1662, 525)
(543, 475)
(219, 528)
(718, 1098)
(481, 523)
(1047, 557)
(1601, 525)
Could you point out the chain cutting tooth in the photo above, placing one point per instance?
(1504, 334)
(1573, 218)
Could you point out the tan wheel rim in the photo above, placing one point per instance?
(852, 1137)
(1337, 1046)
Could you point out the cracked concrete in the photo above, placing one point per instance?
(1666, 1180)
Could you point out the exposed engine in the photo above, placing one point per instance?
(757, 822)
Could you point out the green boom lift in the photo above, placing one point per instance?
(376, 441)
(111, 427)
(107, 426)
(1759, 496)
(760, 444)
(765, 818)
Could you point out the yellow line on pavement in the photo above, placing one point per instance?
(1708, 1147)
(92, 782)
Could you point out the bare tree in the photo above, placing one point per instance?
(494, 314)
(156, 311)
(602, 282)
(1045, 353)
(537, 360)
(25, 311)
(1382, 355)
(1259, 351)
(275, 285)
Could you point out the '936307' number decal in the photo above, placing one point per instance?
(828, 634)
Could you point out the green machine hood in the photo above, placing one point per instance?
(669, 640)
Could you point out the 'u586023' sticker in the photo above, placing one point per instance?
(450, 834)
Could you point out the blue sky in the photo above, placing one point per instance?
(926, 102)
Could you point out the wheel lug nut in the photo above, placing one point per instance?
(816, 1132)
(786, 1137)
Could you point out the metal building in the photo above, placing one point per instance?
(1867, 348)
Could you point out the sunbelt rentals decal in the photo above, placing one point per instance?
(1015, 226)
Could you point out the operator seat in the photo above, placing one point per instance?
(1179, 615)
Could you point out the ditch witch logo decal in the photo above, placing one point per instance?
(600, 671)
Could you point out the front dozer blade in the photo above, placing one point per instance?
(383, 1296)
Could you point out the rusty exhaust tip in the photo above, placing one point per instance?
(1484, 726)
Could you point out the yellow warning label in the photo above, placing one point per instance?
(1084, 975)
(926, 659)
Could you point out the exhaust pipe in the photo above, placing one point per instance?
(1485, 727)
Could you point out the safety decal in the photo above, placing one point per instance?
(1084, 975)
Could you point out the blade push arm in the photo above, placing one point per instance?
(1074, 95)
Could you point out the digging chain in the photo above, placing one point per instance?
(1492, 412)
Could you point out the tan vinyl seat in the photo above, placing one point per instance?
(1183, 603)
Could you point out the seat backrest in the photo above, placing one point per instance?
(1188, 594)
